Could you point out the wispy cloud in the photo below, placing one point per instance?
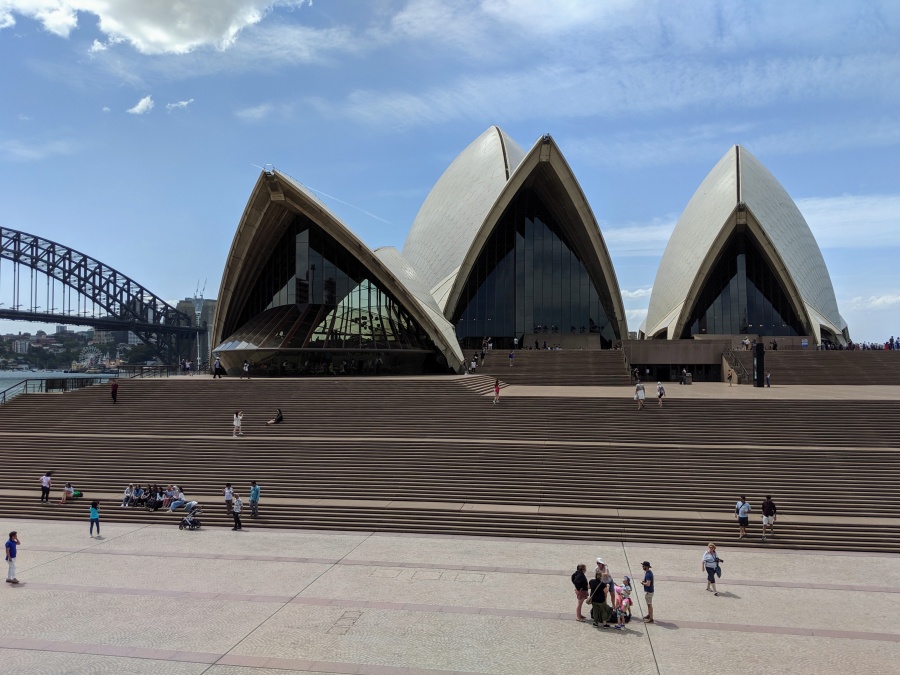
(638, 293)
(143, 106)
(635, 317)
(262, 111)
(24, 118)
(639, 239)
(22, 151)
(853, 221)
(181, 105)
(106, 109)
(875, 302)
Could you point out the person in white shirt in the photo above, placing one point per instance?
(742, 513)
(238, 416)
(236, 509)
(45, 487)
(710, 564)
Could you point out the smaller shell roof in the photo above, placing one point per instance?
(740, 178)
(458, 204)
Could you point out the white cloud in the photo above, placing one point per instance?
(853, 221)
(638, 293)
(24, 118)
(635, 317)
(180, 105)
(157, 27)
(639, 239)
(106, 109)
(143, 106)
(255, 113)
(875, 302)
(21, 151)
(98, 46)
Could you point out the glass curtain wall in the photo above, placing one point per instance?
(742, 295)
(312, 294)
(529, 279)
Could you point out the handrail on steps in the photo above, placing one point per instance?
(43, 385)
(743, 374)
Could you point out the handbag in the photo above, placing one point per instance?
(591, 596)
(718, 568)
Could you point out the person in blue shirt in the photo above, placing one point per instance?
(254, 499)
(648, 591)
(95, 517)
(11, 545)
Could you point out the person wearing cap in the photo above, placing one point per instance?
(623, 611)
(647, 583)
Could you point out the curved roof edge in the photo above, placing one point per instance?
(457, 204)
(246, 257)
(546, 153)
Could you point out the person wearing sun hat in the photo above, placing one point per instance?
(647, 583)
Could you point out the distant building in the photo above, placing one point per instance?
(21, 346)
(61, 329)
(207, 314)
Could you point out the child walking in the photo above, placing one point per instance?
(95, 517)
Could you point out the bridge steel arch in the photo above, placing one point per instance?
(128, 304)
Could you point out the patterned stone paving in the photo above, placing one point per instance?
(153, 599)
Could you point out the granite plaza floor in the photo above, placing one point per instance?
(153, 599)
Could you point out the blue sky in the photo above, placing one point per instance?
(130, 132)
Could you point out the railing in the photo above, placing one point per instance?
(134, 371)
(50, 385)
(737, 366)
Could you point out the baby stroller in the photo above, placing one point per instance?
(190, 521)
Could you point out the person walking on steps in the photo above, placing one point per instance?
(229, 498)
(647, 583)
(238, 416)
(496, 391)
(769, 511)
(11, 545)
(660, 393)
(114, 390)
(639, 394)
(710, 565)
(254, 499)
(512, 357)
(742, 513)
(95, 517)
(46, 483)
(236, 509)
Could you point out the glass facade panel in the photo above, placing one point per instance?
(742, 295)
(528, 278)
(312, 294)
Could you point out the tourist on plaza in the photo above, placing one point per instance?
(742, 511)
(647, 583)
(639, 394)
(660, 393)
(606, 577)
(95, 517)
(238, 416)
(600, 611)
(245, 370)
(710, 565)
(684, 376)
(730, 376)
(512, 356)
(217, 369)
(579, 580)
(229, 495)
(496, 391)
(278, 419)
(623, 608)
(46, 483)
(254, 499)
(11, 545)
(474, 363)
(236, 509)
(515, 343)
(769, 511)
(768, 379)
(114, 390)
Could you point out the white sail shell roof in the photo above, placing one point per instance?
(703, 229)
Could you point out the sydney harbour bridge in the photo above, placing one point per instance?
(42, 281)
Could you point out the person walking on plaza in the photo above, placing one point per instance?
(114, 390)
(95, 517)
(579, 580)
(769, 511)
(238, 416)
(710, 564)
(660, 393)
(11, 545)
(217, 369)
(647, 583)
(46, 483)
(684, 376)
(236, 509)
(742, 511)
(768, 379)
(254, 499)
(639, 394)
(229, 498)
(496, 391)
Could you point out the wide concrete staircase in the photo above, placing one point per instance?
(432, 455)
(829, 367)
(557, 367)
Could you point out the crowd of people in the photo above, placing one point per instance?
(609, 602)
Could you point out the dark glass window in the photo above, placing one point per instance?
(742, 295)
(528, 278)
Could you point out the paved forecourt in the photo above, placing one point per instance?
(151, 599)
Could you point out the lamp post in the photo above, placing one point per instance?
(198, 310)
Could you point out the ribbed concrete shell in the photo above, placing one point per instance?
(545, 170)
(457, 205)
(275, 200)
(740, 191)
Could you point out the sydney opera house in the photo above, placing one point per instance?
(506, 246)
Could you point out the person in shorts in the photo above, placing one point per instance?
(742, 513)
(768, 518)
(660, 393)
(647, 583)
(639, 394)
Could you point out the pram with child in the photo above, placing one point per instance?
(191, 521)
